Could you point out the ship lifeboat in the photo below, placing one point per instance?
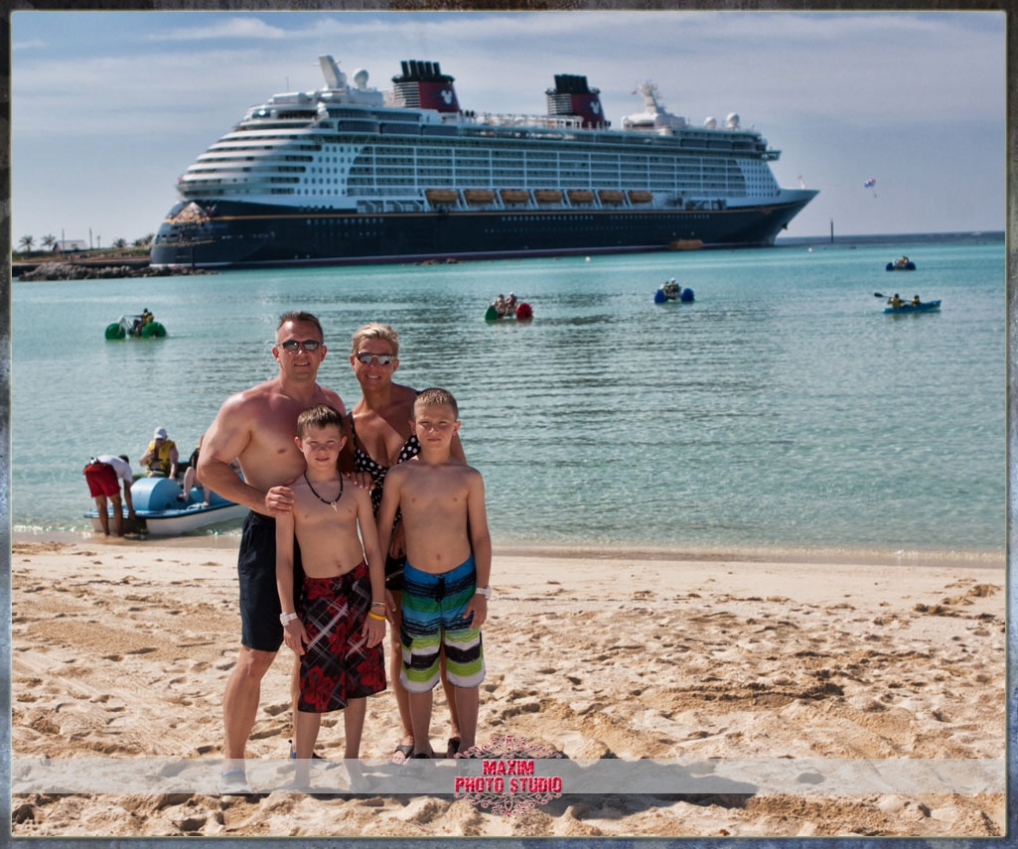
(610, 196)
(547, 195)
(640, 197)
(580, 196)
(478, 195)
(515, 195)
(686, 245)
(445, 196)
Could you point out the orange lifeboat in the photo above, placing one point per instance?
(445, 196)
(515, 195)
(478, 195)
(610, 196)
(547, 195)
(580, 196)
(640, 197)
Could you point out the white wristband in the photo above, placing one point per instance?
(286, 618)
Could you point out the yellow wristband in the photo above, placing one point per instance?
(374, 615)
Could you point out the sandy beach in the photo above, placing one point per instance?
(121, 649)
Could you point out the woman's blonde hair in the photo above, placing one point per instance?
(374, 330)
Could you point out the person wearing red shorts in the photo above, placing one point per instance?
(103, 475)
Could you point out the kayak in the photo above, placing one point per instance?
(927, 306)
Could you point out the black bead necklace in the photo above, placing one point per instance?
(332, 504)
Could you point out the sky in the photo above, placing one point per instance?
(110, 108)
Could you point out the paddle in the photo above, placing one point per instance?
(878, 294)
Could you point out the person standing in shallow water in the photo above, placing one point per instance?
(380, 438)
(257, 428)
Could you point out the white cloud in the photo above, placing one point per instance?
(226, 28)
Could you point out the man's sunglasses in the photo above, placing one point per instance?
(291, 345)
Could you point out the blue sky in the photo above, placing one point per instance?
(109, 108)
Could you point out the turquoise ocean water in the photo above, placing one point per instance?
(781, 408)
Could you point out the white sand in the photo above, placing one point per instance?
(122, 650)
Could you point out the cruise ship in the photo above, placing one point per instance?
(349, 174)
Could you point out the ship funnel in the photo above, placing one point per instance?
(424, 86)
(573, 97)
(334, 78)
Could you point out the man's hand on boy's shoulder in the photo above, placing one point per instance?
(279, 499)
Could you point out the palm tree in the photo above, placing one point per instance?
(119, 243)
(49, 240)
(26, 243)
(144, 241)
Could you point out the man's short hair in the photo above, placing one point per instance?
(126, 459)
(299, 315)
(374, 330)
(319, 416)
(436, 397)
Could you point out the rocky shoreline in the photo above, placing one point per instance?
(76, 271)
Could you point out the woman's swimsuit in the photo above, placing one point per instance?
(363, 463)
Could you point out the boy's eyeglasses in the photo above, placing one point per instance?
(291, 345)
(382, 359)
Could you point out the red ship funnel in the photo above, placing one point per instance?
(422, 85)
(574, 98)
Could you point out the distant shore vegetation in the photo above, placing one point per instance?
(50, 246)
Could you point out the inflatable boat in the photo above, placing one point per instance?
(156, 502)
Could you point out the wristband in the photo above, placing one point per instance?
(378, 604)
(286, 618)
(376, 616)
(484, 591)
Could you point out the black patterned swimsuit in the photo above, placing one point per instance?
(363, 463)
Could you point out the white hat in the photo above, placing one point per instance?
(160, 433)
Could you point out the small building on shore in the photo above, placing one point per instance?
(64, 246)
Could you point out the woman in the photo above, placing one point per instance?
(381, 438)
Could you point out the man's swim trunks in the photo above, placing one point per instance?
(337, 664)
(433, 608)
(259, 597)
(102, 479)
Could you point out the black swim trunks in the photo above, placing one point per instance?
(259, 598)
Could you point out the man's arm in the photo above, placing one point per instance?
(293, 632)
(225, 440)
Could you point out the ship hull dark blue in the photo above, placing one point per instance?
(239, 234)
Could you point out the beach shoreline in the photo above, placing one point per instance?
(820, 554)
(121, 649)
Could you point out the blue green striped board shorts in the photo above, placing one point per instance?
(433, 608)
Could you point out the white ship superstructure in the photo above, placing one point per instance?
(347, 173)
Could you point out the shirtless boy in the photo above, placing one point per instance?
(257, 427)
(338, 635)
(448, 563)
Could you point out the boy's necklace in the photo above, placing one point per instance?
(332, 504)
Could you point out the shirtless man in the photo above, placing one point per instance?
(257, 427)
